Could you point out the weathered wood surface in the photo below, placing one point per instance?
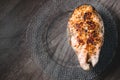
(16, 59)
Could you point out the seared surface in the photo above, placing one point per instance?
(86, 35)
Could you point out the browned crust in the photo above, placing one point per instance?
(86, 25)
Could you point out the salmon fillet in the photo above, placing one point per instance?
(85, 31)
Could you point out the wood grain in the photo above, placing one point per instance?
(16, 60)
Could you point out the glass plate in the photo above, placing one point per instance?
(47, 41)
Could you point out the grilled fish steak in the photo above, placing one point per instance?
(85, 31)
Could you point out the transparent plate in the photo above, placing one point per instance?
(48, 41)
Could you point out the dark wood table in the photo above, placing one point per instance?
(16, 60)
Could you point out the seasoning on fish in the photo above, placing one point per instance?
(85, 32)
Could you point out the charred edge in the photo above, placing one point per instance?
(87, 15)
(90, 40)
(80, 41)
(78, 25)
(91, 25)
(89, 62)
